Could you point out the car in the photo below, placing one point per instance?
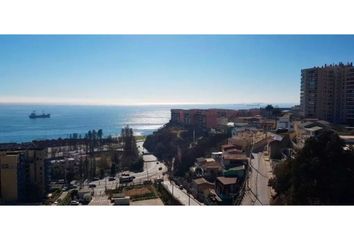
(126, 174)
(157, 162)
(74, 203)
(180, 187)
(111, 179)
(126, 179)
(91, 185)
(160, 168)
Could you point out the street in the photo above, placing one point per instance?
(151, 171)
(258, 192)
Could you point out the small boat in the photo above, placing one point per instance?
(33, 115)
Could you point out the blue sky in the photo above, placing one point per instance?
(158, 69)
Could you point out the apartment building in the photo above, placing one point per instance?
(23, 175)
(207, 118)
(12, 171)
(327, 93)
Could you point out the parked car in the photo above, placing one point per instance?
(74, 203)
(160, 168)
(125, 174)
(111, 179)
(91, 185)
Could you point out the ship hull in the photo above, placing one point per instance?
(39, 116)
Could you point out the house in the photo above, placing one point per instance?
(312, 131)
(216, 155)
(277, 145)
(228, 147)
(226, 188)
(284, 122)
(238, 172)
(201, 188)
(207, 167)
(230, 160)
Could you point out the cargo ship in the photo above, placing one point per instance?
(33, 115)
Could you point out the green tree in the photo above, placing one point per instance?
(321, 173)
(269, 108)
(99, 135)
(113, 169)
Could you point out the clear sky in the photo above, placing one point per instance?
(158, 69)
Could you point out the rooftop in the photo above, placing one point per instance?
(227, 180)
(235, 157)
(200, 181)
(314, 129)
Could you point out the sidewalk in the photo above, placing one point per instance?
(181, 196)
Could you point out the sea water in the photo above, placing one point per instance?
(16, 126)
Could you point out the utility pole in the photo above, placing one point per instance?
(147, 172)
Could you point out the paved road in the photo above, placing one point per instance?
(151, 166)
(151, 171)
(259, 192)
(179, 194)
(100, 200)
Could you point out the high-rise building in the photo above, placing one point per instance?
(12, 171)
(23, 175)
(327, 93)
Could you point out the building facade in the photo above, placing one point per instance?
(12, 173)
(207, 118)
(23, 175)
(327, 93)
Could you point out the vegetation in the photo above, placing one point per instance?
(140, 138)
(66, 200)
(321, 173)
(130, 158)
(173, 141)
(203, 147)
(135, 192)
(165, 196)
(163, 143)
(272, 111)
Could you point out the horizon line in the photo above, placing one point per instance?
(142, 104)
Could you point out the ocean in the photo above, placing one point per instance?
(16, 126)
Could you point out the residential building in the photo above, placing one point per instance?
(234, 159)
(12, 173)
(24, 175)
(201, 188)
(238, 172)
(209, 168)
(227, 188)
(284, 122)
(207, 118)
(327, 93)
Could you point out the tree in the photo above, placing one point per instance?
(113, 169)
(321, 173)
(99, 135)
(269, 108)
